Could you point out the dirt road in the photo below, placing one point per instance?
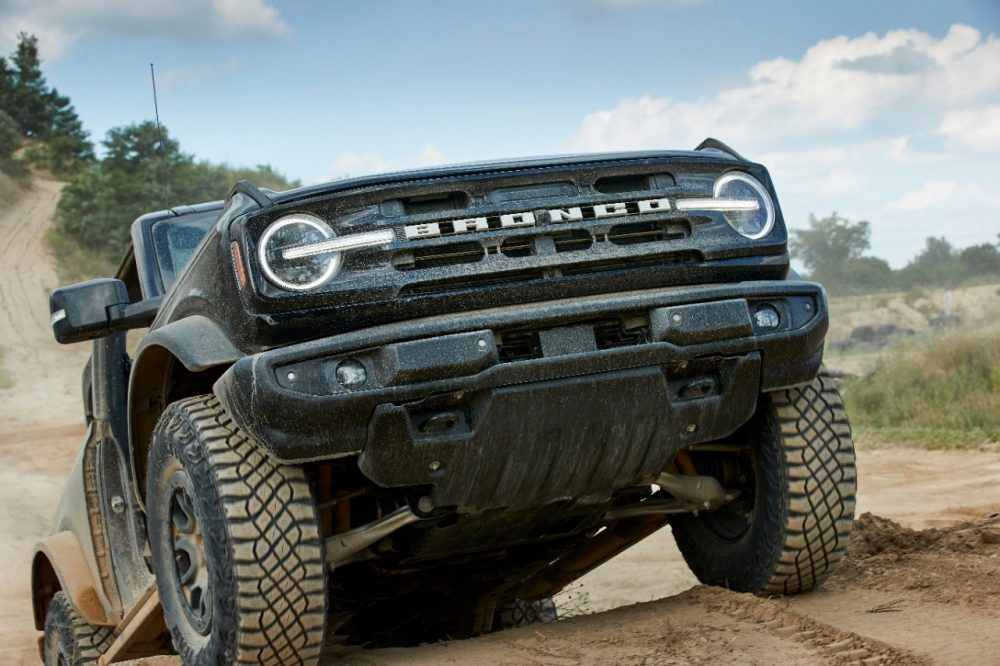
(46, 376)
(902, 596)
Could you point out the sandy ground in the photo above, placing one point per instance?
(925, 589)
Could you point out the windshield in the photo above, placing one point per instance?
(175, 240)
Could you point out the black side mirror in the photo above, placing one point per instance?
(96, 308)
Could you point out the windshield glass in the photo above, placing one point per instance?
(175, 240)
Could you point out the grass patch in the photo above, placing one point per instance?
(940, 393)
(74, 263)
(935, 439)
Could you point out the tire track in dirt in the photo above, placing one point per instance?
(45, 374)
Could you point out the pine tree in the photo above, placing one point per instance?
(6, 85)
(41, 112)
(68, 144)
(28, 106)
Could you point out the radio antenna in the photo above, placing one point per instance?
(159, 137)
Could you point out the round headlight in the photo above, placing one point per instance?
(300, 273)
(755, 221)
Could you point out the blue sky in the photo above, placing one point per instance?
(885, 111)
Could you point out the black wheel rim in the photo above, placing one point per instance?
(187, 543)
(731, 522)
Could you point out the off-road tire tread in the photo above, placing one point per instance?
(802, 525)
(519, 613)
(822, 485)
(89, 641)
(273, 536)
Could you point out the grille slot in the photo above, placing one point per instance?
(636, 233)
(433, 203)
(609, 265)
(452, 254)
(571, 240)
(518, 246)
(470, 282)
(634, 183)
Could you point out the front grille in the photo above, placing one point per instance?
(543, 241)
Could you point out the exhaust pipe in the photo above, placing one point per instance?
(340, 548)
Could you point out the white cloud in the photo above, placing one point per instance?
(351, 164)
(978, 129)
(839, 86)
(931, 194)
(901, 128)
(59, 24)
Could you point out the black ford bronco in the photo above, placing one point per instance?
(389, 409)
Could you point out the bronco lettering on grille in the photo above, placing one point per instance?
(527, 218)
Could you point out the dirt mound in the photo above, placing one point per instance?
(958, 564)
(875, 535)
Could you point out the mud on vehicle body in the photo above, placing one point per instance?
(394, 408)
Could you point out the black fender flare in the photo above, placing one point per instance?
(196, 343)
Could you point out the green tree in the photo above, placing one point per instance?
(10, 138)
(831, 249)
(137, 175)
(41, 112)
(6, 85)
(10, 141)
(28, 100)
(937, 264)
(981, 259)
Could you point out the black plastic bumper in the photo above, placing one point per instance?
(530, 404)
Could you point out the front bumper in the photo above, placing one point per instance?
(530, 404)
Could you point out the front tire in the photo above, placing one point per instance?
(791, 523)
(69, 639)
(235, 542)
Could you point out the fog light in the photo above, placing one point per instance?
(767, 317)
(351, 374)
